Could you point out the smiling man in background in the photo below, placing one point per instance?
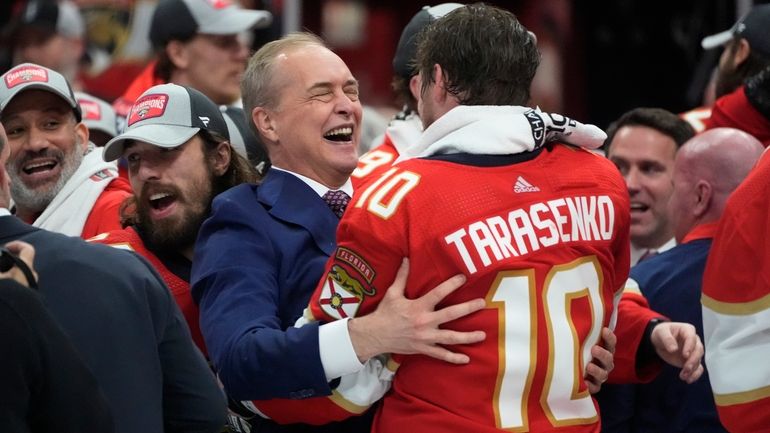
(56, 183)
(643, 144)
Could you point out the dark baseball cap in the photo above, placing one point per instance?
(183, 19)
(403, 61)
(754, 27)
(27, 76)
(62, 17)
(167, 116)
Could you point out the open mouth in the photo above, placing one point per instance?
(39, 167)
(342, 134)
(639, 207)
(161, 201)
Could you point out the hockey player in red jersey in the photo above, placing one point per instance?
(542, 236)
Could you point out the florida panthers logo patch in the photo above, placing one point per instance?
(342, 294)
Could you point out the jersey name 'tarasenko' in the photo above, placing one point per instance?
(543, 237)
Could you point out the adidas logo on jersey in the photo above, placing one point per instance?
(524, 186)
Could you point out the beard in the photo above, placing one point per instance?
(36, 198)
(179, 231)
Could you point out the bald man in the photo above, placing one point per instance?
(707, 168)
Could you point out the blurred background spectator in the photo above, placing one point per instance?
(599, 59)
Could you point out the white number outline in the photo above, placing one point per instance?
(505, 294)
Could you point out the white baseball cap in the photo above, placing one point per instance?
(182, 19)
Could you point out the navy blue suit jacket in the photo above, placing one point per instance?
(257, 261)
(124, 322)
(671, 282)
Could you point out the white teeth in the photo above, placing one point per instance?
(159, 196)
(39, 164)
(340, 131)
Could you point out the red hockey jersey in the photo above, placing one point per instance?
(736, 306)
(545, 241)
(375, 162)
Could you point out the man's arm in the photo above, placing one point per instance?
(405, 326)
(251, 283)
(736, 312)
(647, 338)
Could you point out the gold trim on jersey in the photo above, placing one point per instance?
(736, 308)
(742, 397)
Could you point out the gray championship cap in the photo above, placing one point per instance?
(98, 115)
(182, 19)
(167, 116)
(403, 61)
(29, 76)
(754, 27)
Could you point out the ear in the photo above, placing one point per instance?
(222, 156)
(177, 53)
(439, 90)
(81, 136)
(704, 193)
(415, 87)
(742, 52)
(265, 122)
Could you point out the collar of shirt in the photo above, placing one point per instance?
(4, 211)
(702, 231)
(638, 252)
(318, 187)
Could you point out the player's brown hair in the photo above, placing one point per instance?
(487, 56)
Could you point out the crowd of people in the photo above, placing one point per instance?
(211, 253)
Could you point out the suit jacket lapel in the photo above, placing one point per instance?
(290, 199)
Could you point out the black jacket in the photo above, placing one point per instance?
(124, 322)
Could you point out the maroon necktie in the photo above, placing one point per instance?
(337, 200)
(647, 255)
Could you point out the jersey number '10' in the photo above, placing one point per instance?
(515, 295)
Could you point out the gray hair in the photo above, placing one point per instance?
(257, 87)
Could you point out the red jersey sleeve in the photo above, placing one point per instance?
(736, 306)
(633, 315)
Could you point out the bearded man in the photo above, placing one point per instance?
(179, 157)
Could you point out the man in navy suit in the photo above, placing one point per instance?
(261, 253)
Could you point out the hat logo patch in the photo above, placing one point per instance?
(205, 120)
(148, 107)
(91, 110)
(25, 74)
(220, 4)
